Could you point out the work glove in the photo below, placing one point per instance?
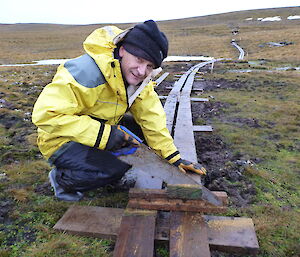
(119, 139)
(184, 166)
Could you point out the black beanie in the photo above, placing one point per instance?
(152, 44)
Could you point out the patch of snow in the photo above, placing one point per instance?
(295, 17)
(187, 58)
(42, 62)
(249, 19)
(275, 18)
(241, 71)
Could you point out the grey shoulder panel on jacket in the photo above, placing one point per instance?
(85, 71)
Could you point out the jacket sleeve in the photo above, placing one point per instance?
(58, 109)
(150, 115)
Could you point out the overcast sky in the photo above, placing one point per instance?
(122, 11)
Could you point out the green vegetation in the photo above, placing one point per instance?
(269, 99)
(261, 121)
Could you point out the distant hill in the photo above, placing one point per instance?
(204, 35)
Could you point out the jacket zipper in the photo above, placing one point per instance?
(113, 65)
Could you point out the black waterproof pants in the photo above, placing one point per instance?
(83, 168)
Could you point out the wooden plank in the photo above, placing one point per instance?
(215, 198)
(160, 193)
(193, 99)
(222, 196)
(183, 132)
(227, 234)
(146, 181)
(172, 99)
(183, 135)
(232, 234)
(166, 204)
(161, 78)
(170, 108)
(198, 128)
(146, 193)
(184, 191)
(91, 221)
(162, 97)
(188, 235)
(136, 234)
(193, 89)
(103, 222)
(145, 160)
(196, 99)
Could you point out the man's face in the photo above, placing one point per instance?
(134, 68)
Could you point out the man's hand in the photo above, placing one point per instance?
(119, 139)
(184, 166)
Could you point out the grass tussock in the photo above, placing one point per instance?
(67, 245)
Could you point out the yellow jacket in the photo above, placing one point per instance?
(88, 95)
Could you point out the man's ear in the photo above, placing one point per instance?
(121, 51)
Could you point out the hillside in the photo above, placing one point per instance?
(207, 35)
(253, 153)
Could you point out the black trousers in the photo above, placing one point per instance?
(83, 168)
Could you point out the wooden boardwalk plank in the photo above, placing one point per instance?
(184, 135)
(136, 234)
(172, 99)
(145, 160)
(196, 99)
(232, 234)
(161, 78)
(160, 204)
(188, 235)
(218, 198)
(93, 221)
(146, 181)
(197, 128)
(104, 222)
(193, 99)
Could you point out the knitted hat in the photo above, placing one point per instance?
(148, 42)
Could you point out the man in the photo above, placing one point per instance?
(78, 112)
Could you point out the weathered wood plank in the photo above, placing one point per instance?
(136, 234)
(167, 204)
(161, 78)
(183, 135)
(238, 237)
(197, 128)
(193, 89)
(184, 191)
(104, 222)
(146, 181)
(214, 198)
(91, 221)
(196, 99)
(188, 235)
(172, 99)
(193, 99)
(145, 160)
(232, 234)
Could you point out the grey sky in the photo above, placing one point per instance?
(116, 11)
